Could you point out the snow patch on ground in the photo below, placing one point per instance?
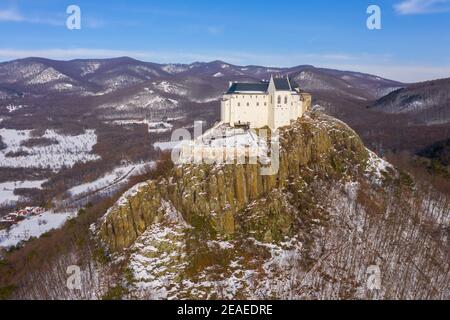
(7, 195)
(11, 108)
(124, 199)
(205, 100)
(89, 68)
(63, 86)
(174, 68)
(170, 88)
(376, 167)
(66, 152)
(166, 146)
(119, 174)
(33, 227)
(153, 127)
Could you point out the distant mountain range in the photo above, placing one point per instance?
(122, 87)
(101, 76)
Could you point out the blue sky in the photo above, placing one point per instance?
(413, 44)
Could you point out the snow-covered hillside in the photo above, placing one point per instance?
(145, 99)
(47, 75)
(175, 68)
(428, 101)
(20, 71)
(89, 67)
(64, 150)
(171, 88)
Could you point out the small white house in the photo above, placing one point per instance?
(273, 103)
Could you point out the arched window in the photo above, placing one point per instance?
(285, 100)
(239, 104)
(279, 99)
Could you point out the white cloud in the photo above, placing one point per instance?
(75, 53)
(11, 15)
(213, 30)
(384, 66)
(14, 15)
(407, 7)
(47, 18)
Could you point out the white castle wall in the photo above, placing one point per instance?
(249, 108)
(260, 110)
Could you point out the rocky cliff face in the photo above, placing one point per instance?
(333, 211)
(211, 196)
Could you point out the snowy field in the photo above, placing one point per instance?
(33, 227)
(118, 175)
(159, 127)
(153, 127)
(166, 146)
(7, 195)
(66, 151)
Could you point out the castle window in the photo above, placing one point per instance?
(248, 104)
(257, 104)
(265, 103)
(239, 104)
(285, 100)
(279, 99)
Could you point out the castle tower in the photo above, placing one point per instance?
(273, 104)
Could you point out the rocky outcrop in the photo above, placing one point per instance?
(210, 196)
(333, 212)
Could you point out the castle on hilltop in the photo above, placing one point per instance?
(245, 106)
(273, 103)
